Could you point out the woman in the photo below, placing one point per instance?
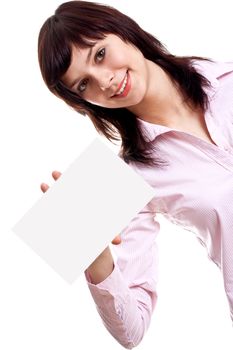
(174, 116)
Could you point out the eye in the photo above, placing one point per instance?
(82, 86)
(100, 55)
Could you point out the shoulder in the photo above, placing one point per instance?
(218, 73)
(212, 69)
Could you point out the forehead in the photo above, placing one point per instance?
(77, 64)
(83, 50)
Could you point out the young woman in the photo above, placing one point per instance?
(174, 117)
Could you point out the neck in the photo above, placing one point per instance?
(163, 103)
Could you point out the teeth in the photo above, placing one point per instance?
(123, 86)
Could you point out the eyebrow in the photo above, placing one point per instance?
(87, 61)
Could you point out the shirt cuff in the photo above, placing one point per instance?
(113, 284)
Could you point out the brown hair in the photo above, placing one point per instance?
(73, 23)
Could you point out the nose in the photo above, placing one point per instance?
(104, 78)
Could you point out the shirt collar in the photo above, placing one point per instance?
(150, 130)
(212, 71)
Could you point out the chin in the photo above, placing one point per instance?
(135, 101)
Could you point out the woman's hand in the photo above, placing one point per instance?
(56, 174)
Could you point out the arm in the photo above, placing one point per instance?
(101, 268)
(126, 298)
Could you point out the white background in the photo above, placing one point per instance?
(39, 133)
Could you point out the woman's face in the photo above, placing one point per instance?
(111, 74)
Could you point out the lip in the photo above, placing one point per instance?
(127, 87)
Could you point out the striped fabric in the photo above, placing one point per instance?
(195, 192)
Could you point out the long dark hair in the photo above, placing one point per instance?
(73, 23)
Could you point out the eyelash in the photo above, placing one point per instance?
(101, 54)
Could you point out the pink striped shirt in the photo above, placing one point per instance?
(195, 191)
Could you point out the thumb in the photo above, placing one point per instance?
(116, 240)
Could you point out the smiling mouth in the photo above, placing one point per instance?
(124, 87)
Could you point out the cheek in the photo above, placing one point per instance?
(95, 98)
(118, 59)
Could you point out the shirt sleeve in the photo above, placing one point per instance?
(126, 299)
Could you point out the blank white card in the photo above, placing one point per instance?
(93, 201)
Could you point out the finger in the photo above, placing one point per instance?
(44, 187)
(116, 240)
(56, 174)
